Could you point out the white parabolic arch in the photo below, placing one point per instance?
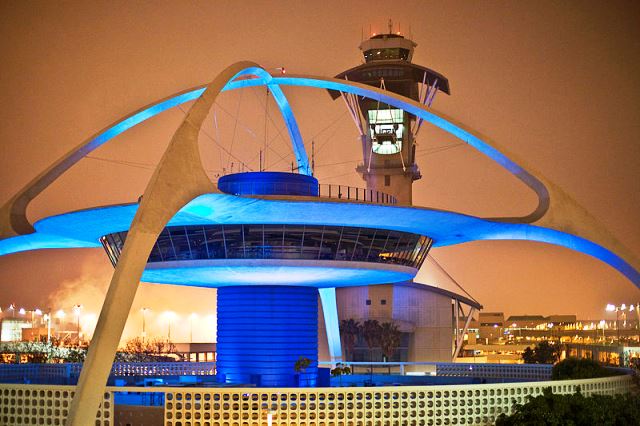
(556, 210)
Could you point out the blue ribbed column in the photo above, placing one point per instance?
(263, 330)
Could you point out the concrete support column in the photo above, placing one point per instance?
(332, 322)
(178, 178)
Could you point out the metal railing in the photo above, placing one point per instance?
(322, 190)
(69, 372)
(454, 369)
(355, 194)
(61, 373)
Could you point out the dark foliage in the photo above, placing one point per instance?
(574, 368)
(543, 353)
(575, 409)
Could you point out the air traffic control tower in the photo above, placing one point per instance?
(388, 134)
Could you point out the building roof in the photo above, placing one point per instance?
(526, 318)
(413, 72)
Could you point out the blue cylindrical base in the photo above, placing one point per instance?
(263, 331)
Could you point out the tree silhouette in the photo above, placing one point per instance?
(371, 335)
(544, 353)
(389, 339)
(350, 330)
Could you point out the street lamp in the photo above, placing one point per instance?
(35, 312)
(144, 322)
(617, 309)
(602, 324)
(47, 319)
(170, 316)
(76, 312)
(191, 318)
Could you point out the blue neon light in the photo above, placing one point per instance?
(141, 116)
(486, 229)
(446, 228)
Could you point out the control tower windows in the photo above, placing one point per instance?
(386, 128)
(386, 54)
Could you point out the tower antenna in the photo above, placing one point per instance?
(390, 26)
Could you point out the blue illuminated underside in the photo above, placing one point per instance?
(235, 272)
(84, 228)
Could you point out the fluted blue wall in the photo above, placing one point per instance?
(263, 330)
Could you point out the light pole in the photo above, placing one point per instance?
(76, 311)
(602, 324)
(169, 315)
(191, 318)
(144, 323)
(617, 309)
(35, 312)
(47, 318)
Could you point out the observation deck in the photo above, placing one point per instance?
(294, 253)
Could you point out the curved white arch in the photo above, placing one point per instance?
(566, 215)
(13, 220)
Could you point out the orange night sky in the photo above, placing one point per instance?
(558, 83)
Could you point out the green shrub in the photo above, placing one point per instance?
(574, 368)
(575, 409)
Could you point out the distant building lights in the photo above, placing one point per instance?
(60, 314)
(37, 312)
(22, 311)
(610, 308)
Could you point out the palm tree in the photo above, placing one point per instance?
(389, 339)
(350, 330)
(371, 335)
